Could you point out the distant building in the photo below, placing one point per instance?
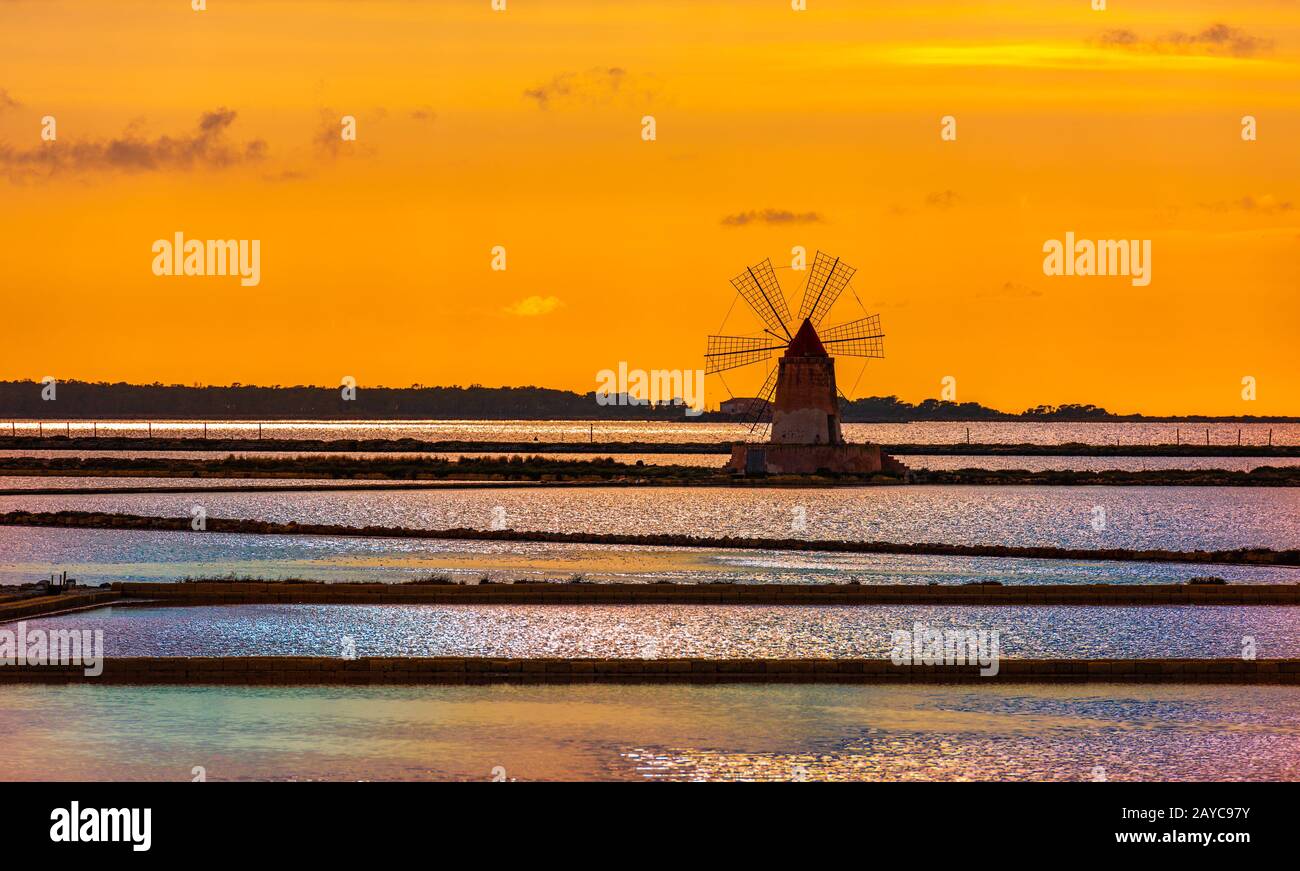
(739, 406)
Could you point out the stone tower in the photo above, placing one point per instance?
(806, 410)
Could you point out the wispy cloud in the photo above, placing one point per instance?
(1009, 290)
(941, 199)
(1118, 48)
(771, 216)
(534, 306)
(938, 200)
(1216, 40)
(1264, 204)
(286, 175)
(328, 139)
(595, 86)
(205, 148)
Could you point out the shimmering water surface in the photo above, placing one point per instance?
(96, 555)
(1008, 432)
(656, 631)
(774, 732)
(639, 733)
(1177, 518)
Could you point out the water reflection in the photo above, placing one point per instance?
(95, 556)
(734, 732)
(667, 631)
(1177, 518)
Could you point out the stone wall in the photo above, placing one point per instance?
(852, 459)
(39, 606)
(234, 593)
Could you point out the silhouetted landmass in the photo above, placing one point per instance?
(80, 400)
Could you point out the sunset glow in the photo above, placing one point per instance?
(774, 129)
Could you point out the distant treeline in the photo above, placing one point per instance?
(80, 400)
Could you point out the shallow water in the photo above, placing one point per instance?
(95, 556)
(1176, 518)
(1009, 432)
(667, 631)
(641, 733)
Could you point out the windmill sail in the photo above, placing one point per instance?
(807, 356)
(860, 338)
(759, 287)
(759, 405)
(731, 352)
(826, 281)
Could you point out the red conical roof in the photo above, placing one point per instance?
(806, 343)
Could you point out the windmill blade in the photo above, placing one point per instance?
(826, 281)
(732, 352)
(759, 287)
(762, 402)
(860, 338)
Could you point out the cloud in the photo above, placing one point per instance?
(941, 199)
(6, 101)
(328, 139)
(212, 123)
(285, 175)
(771, 216)
(534, 306)
(593, 87)
(1265, 204)
(1009, 290)
(1217, 39)
(205, 148)
(1119, 38)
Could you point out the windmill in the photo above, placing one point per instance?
(806, 407)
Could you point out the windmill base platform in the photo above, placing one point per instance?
(788, 459)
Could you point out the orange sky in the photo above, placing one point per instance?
(523, 129)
